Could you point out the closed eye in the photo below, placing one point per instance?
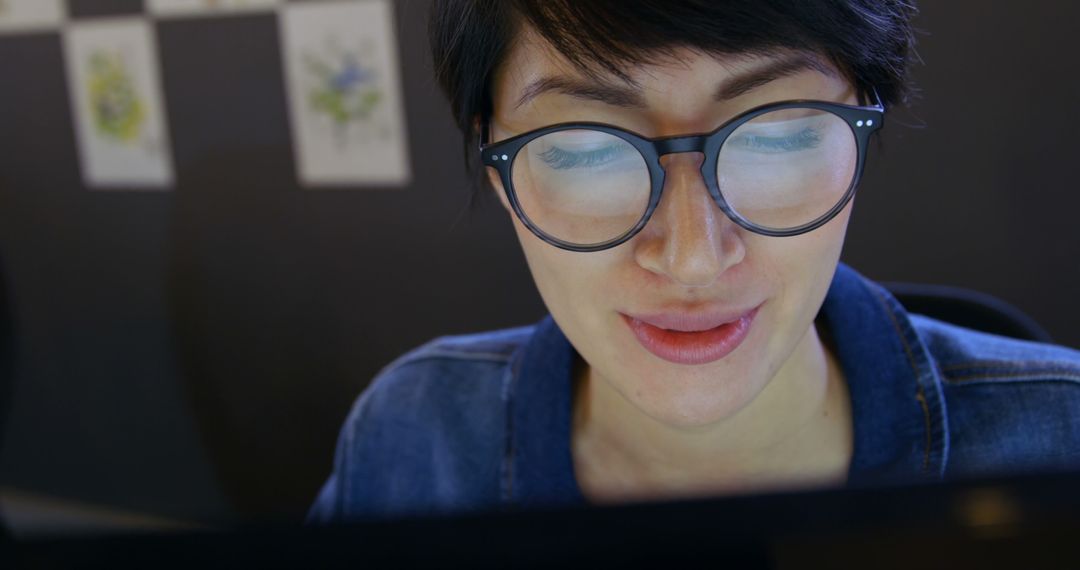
(805, 139)
(560, 159)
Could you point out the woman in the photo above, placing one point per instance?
(680, 177)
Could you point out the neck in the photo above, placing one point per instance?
(795, 433)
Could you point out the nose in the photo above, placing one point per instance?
(689, 239)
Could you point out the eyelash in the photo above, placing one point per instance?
(560, 159)
(804, 139)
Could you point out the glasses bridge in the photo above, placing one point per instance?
(672, 145)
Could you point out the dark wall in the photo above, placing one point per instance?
(192, 353)
(980, 191)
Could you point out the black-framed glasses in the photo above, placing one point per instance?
(781, 169)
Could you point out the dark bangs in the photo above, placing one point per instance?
(870, 41)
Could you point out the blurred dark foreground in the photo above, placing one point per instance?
(1024, 522)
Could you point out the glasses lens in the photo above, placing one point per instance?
(787, 168)
(581, 186)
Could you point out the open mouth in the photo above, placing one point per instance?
(692, 346)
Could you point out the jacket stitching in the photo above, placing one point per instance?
(507, 479)
(410, 359)
(1019, 376)
(920, 395)
(1050, 366)
(481, 356)
(945, 439)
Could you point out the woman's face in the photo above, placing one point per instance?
(691, 267)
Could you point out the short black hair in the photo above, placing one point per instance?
(870, 41)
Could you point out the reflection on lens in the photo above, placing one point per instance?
(787, 168)
(581, 186)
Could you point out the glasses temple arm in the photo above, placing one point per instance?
(876, 101)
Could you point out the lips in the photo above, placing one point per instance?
(692, 338)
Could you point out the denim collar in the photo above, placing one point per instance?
(539, 466)
(897, 403)
(898, 409)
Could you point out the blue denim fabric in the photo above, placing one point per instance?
(482, 422)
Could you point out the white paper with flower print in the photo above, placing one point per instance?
(187, 8)
(116, 100)
(342, 79)
(19, 16)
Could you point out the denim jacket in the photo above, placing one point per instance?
(481, 422)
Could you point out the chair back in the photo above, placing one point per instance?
(968, 308)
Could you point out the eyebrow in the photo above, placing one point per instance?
(626, 95)
(610, 93)
(785, 66)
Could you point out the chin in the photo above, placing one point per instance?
(688, 399)
(689, 416)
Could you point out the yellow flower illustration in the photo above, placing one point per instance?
(118, 112)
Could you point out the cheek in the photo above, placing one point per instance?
(580, 290)
(565, 279)
(803, 267)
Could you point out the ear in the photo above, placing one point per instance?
(492, 174)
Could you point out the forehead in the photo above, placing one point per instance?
(535, 73)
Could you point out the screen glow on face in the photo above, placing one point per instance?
(781, 169)
(787, 168)
(576, 193)
(583, 184)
